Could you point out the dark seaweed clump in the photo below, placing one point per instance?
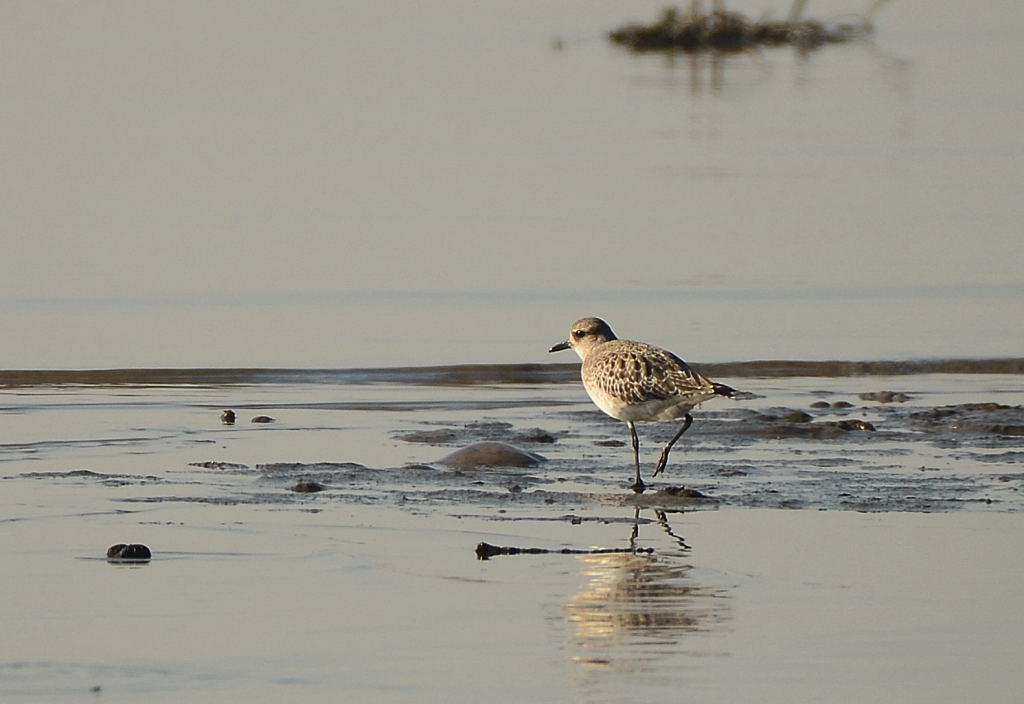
(722, 30)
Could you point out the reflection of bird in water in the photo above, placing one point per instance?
(627, 600)
(662, 517)
(634, 381)
(635, 607)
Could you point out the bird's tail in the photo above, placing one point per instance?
(723, 390)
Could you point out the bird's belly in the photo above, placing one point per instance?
(652, 410)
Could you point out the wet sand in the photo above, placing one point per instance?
(827, 563)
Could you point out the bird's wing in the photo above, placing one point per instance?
(642, 373)
(682, 379)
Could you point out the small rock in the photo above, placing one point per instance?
(262, 419)
(128, 551)
(227, 417)
(821, 404)
(491, 454)
(885, 396)
(842, 404)
(308, 487)
(535, 435)
(682, 492)
(854, 425)
(797, 417)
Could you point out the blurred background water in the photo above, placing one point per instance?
(339, 184)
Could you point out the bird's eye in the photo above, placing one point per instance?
(579, 333)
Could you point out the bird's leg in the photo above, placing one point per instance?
(663, 460)
(638, 486)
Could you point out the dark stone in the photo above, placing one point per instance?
(681, 492)
(885, 396)
(854, 425)
(308, 487)
(129, 551)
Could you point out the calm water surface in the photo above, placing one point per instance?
(346, 184)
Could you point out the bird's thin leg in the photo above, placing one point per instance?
(638, 486)
(663, 460)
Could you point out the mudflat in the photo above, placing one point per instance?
(825, 538)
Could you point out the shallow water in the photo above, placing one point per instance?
(268, 604)
(372, 588)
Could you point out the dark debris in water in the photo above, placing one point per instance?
(720, 29)
(485, 551)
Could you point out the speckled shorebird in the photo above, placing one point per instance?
(634, 381)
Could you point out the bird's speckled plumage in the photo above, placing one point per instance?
(635, 381)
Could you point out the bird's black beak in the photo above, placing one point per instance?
(559, 347)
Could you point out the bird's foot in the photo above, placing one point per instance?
(639, 487)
